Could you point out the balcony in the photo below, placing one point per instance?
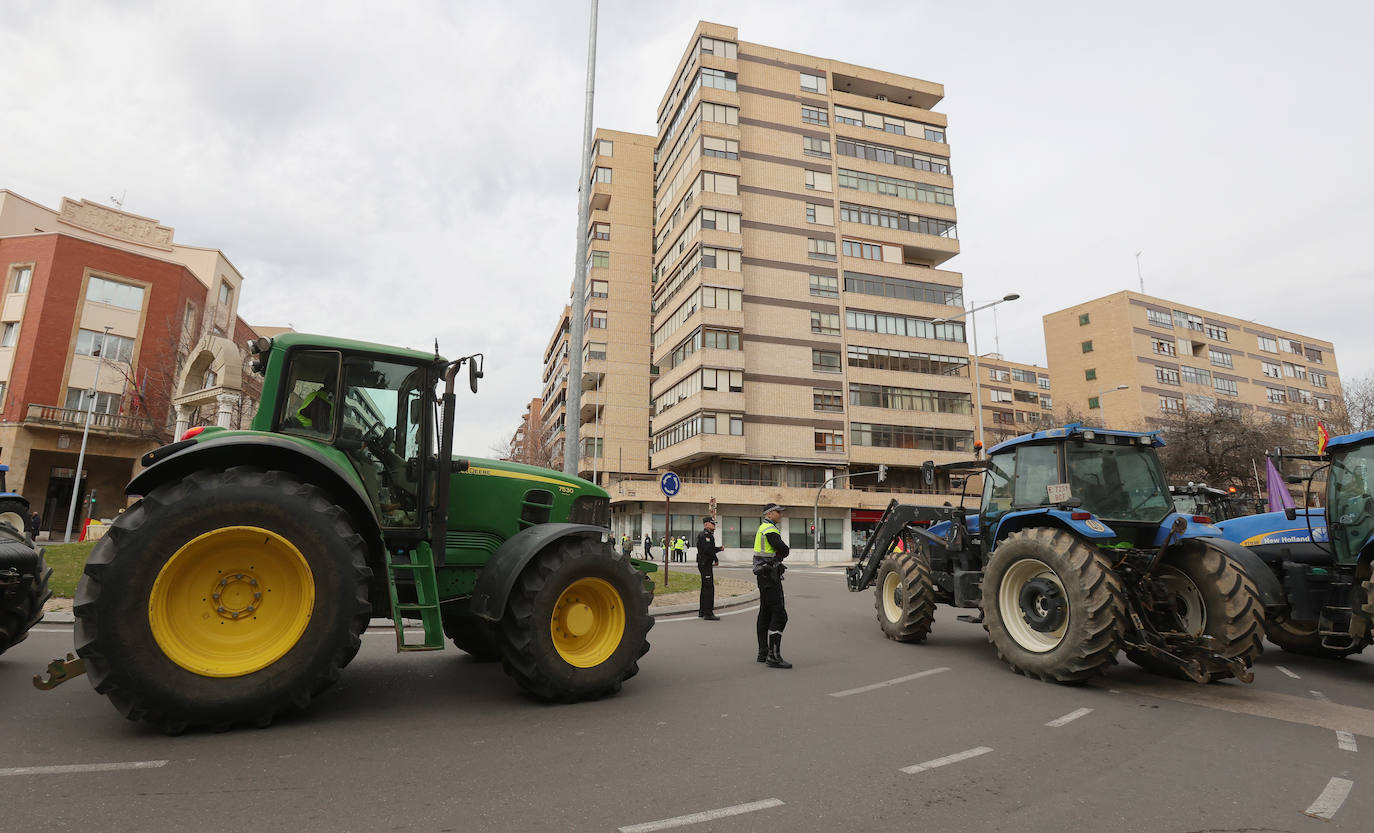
(75, 418)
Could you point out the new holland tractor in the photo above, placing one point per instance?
(1076, 554)
(238, 587)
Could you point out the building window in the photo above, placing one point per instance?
(1313, 355)
(862, 249)
(1287, 345)
(816, 147)
(79, 399)
(725, 259)
(602, 175)
(997, 374)
(720, 220)
(1087, 346)
(597, 320)
(117, 348)
(1323, 404)
(1163, 347)
(10, 335)
(1276, 395)
(1267, 344)
(605, 147)
(824, 399)
(892, 156)
(885, 218)
(911, 399)
(825, 286)
(813, 83)
(820, 249)
(719, 183)
(1090, 374)
(1083, 319)
(600, 289)
(825, 323)
(1220, 358)
(907, 436)
(210, 380)
(719, 48)
(1273, 371)
(1166, 375)
(815, 115)
(1317, 379)
(600, 260)
(930, 293)
(1227, 386)
(882, 358)
(1186, 320)
(719, 148)
(601, 231)
(722, 380)
(1094, 403)
(19, 279)
(822, 215)
(718, 79)
(1294, 371)
(596, 350)
(114, 293)
(1218, 332)
(825, 361)
(817, 181)
(1000, 395)
(225, 293)
(1159, 318)
(1043, 382)
(1197, 376)
(893, 187)
(830, 441)
(1171, 404)
(719, 113)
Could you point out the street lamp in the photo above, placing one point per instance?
(1102, 409)
(977, 381)
(85, 434)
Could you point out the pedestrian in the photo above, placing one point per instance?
(648, 547)
(625, 545)
(769, 552)
(681, 546)
(707, 559)
(35, 523)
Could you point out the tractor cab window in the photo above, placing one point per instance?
(311, 390)
(1118, 482)
(1037, 468)
(383, 434)
(997, 487)
(1352, 507)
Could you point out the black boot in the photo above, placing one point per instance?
(763, 653)
(774, 658)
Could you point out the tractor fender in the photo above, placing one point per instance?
(1090, 528)
(497, 578)
(267, 451)
(1191, 529)
(1270, 590)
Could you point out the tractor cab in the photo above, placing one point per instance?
(1350, 507)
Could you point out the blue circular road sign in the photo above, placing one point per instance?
(670, 483)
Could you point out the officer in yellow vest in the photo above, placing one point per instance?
(769, 551)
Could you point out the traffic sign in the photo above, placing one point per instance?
(670, 484)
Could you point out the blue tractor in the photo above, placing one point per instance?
(1075, 554)
(23, 572)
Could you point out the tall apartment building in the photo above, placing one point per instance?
(553, 398)
(801, 209)
(172, 357)
(1172, 356)
(1016, 398)
(525, 444)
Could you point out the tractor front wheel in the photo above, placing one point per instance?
(223, 598)
(576, 622)
(1052, 606)
(905, 596)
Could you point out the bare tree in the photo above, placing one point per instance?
(1357, 406)
(1222, 446)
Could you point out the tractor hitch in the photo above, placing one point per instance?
(59, 671)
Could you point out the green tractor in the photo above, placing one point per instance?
(239, 586)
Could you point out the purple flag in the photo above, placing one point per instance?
(1279, 498)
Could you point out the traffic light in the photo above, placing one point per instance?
(882, 473)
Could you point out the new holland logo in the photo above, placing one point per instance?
(1095, 525)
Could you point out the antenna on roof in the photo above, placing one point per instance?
(436, 348)
(120, 202)
(1137, 273)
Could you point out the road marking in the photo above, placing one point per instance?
(50, 630)
(948, 759)
(695, 818)
(1331, 799)
(695, 617)
(886, 683)
(68, 768)
(1069, 718)
(1319, 696)
(1346, 741)
(1289, 673)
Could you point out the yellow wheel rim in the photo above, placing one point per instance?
(231, 602)
(588, 622)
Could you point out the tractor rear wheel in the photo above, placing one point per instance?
(905, 596)
(1212, 597)
(473, 635)
(224, 598)
(576, 622)
(15, 512)
(1052, 606)
(22, 607)
(1303, 638)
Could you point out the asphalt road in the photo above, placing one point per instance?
(862, 735)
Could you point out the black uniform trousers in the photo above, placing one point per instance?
(708, 588)
(772, 608)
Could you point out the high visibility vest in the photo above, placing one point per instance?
(310, 400)
(761, 542)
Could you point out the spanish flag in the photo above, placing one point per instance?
(1322, 438)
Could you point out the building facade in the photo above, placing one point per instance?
(553, 398)
(1172, 357)
(1016, 398)
(801, 211)
(104, 314)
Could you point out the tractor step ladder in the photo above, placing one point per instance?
(426, 604)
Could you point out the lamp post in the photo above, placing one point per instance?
(977, 381)
(1102, 409)
(85, 434)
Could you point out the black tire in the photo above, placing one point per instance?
(21, 606)
(472, 635)
(1231, 610)
(114, 634)
(528, 651)
(1303, 638)
(1084, 617)
(904, 596)
(15, 512)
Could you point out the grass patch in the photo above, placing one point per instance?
(67, 561)
(680, 580)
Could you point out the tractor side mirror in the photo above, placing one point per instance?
(928, 472)
(1290, 513)
(1295, 478)
(475, 362)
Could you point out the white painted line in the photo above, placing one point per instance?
(50, 630)
(1289, 673)
(886, 683)
(68, 768)
(696, 818)
(1069, 718)
(1319, 696)
(695, 617)
(948, 759)
(1331, 799)
(1346, 741)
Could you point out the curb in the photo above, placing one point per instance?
(692, 607)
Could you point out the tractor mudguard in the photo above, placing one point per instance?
(1193, 529)
(497, 578)
(269, 451)
(1090, 528)
(1270, 590)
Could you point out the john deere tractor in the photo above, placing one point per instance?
(238, 587)
(1076, 554)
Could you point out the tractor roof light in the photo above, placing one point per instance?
(1201, 519)
(1089, 435)
(192, 432)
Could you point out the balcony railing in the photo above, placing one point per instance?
(76, 418)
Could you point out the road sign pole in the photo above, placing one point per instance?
(667, 536)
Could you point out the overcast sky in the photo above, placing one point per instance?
(405, 171)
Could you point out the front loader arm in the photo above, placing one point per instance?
(896, 517)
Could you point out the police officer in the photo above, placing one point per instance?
(769, 551)
(706, 565)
